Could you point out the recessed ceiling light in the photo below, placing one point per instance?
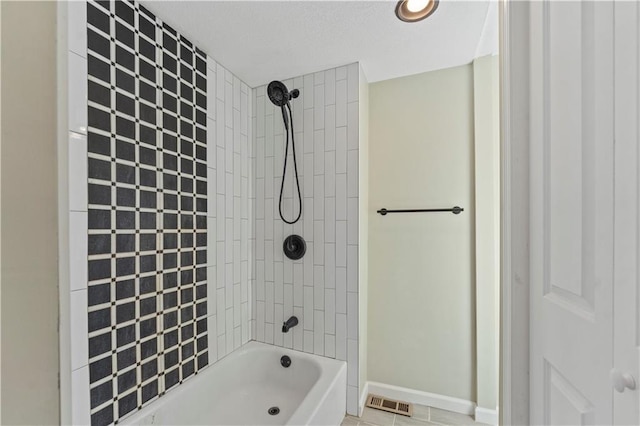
(415, 10)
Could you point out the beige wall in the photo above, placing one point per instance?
(29, 216)
(421, 277)
(487, 188)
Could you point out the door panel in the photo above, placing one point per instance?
(570, 157)
(569, 147)
(565, 405)
(571, 232)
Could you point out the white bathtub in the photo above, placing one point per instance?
(240, 389)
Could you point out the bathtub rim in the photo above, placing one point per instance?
(330, 371)
(330, 374)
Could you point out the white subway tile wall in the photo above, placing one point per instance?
(77, 211)
(321, 289)
(229, 210)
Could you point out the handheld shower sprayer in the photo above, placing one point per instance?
(280, 96)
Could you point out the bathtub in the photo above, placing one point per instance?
(242, 387)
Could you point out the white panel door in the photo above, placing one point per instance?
(572, 212)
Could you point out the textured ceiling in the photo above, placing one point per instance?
(260, 41)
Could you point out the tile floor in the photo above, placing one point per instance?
(422, 416)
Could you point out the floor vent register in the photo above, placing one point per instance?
(390, 405)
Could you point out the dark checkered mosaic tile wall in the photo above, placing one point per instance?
(147, 208)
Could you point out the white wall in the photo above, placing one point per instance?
(29, 271)
(421, 274)
(486, 99)
(363, 279)
(321, 289)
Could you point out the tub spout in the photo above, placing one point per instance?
(290, 323)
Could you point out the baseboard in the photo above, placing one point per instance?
(363, 399)
(423, 398)
(487, 416)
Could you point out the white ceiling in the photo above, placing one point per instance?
(260, 41)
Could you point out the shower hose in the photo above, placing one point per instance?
(295, 163)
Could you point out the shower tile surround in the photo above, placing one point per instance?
(320, 289)
(159, 209)
(147, 209)
(248, 288)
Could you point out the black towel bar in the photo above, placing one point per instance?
(454, 210)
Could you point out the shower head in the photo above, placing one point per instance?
(279, 94)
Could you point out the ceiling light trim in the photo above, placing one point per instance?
(404, 14)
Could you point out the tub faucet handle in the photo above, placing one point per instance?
(290, 323)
